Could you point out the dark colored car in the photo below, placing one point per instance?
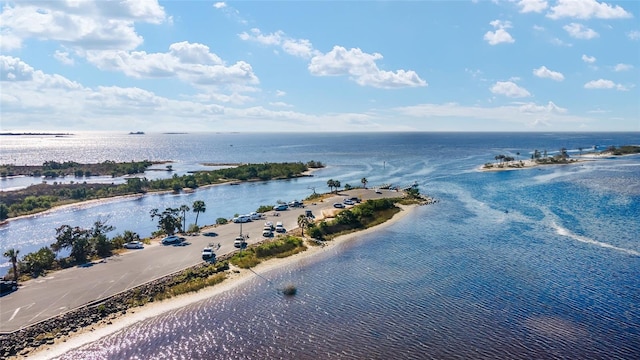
(7, 286)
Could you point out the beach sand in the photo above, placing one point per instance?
(527, 164)
(114, 324)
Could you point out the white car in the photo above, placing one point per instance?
(338, 205)
(242, 219)
(208, 254)
(255, 216)
(240, 242)
(133, 245)
(171, 240)
(348, 202)
(267, 232)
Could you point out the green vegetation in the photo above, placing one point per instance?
(41, 197)
(264, 208)
(83, 245)
(279, 247)
(333, 184)
(53, 169)
(623, 150)
(367, 214)
(191, 280)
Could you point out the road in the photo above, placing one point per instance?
(60, 291)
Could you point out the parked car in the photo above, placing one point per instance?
(255, 216)
(171, 240)
(240, 242)
(338, 205)
(348, 202)
(134, 245)
(309, 214)
(242, 219)
(281, 207)
(295, 203)
(266, 232)
(209, 233)
(280, 228)
(7, 286)
(208, 254)
(269, 225)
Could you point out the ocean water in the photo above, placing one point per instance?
(538, 263)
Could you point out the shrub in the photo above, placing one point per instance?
(264, 208)
(221, 221)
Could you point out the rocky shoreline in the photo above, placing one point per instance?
(26, 340)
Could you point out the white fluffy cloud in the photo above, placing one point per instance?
(296, 47)
(543, 72)
(634, 35)
(358, 65)
(604, 84)
(580, 31)
(537, 6)
(362, 68)
(509, 89)
(587, 9)
(63, 57)
(265, 39)
(500, 35)
(190, 62)
(83, 25)
(588, 59)
(529, 114)
(622, 67)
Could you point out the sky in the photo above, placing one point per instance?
(319, 66)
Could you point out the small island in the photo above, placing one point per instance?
(538, 158)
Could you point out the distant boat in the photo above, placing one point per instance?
(137, 133)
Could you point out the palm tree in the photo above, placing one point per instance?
(303, 222)
(198, 207)
(184, 209)
(12, 254)
(331, 184)
(364, 182)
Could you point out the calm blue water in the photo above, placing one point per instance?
(539, 263)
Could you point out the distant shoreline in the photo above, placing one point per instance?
(34, 134)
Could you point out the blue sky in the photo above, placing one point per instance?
(285, 66)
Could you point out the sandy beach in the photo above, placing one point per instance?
(111, 325)
(527, 164)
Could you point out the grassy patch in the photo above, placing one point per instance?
(279, 247)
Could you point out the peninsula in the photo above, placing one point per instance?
(185, 274)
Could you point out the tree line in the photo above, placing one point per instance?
(41, 197)
(92, 243)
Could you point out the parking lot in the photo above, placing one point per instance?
(63, 290)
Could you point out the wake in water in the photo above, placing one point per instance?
(583, 239)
